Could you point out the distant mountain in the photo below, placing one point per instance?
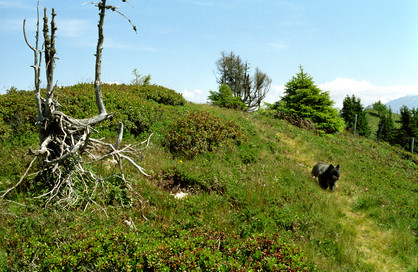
(411, 101)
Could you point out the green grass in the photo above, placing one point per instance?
(374, 119)
(251, 205)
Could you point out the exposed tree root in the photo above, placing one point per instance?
(62, 165)
(65, 155)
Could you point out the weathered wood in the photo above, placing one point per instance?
(98, 70)
(64, 139)
(36, 66)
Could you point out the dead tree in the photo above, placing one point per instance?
(66, 144)
(234, 73)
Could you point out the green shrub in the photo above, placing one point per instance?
(177, 178)
(248, 154)
(18, 111)
(200, 132)
(225, 98)
(139, 107)
(138, 117)
(4, 129)
(115, 247)
(162, 95)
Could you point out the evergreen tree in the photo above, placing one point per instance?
(304, 99)
(380, 108)
(409, 127)
(352, 107)
(386, 128)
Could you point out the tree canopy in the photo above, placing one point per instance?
(225, 98)
(352, 107)
(304, 99)
(234, 73)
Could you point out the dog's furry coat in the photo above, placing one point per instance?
(327, 175)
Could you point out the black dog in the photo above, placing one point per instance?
(327, 175)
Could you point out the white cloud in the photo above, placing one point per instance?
(196, 96)
(341, 87)
(366, 91)
(275, 93)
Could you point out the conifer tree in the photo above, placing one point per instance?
(386, 128)
(304, 99)
(380, 108)
(352, 107)
(409, 127)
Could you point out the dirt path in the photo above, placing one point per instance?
(370, 242)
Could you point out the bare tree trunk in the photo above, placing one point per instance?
(37, 59)
(64, 140)
(49, 44)
(98, 74)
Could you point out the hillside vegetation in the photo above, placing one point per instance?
(250, 204)
(373, 119)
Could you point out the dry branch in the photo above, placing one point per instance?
(63, 139)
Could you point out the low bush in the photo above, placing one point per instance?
(138, 107)
(174, 179)
(200, 132)
(18, 111)
(119, 248)
(225, 98)
(162, 95)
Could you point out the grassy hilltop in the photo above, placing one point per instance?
(251, 201)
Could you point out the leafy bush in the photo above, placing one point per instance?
(4, 129)
(34, 246)
(129, 104)
(17, 109)
(174, 179)
(225, 98)
(248, 154)
(162, 95)
(200, 132)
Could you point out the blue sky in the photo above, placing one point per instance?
(368, 48)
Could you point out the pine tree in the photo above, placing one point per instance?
(304, 99)
(386, 128)
(352, 107)
(409, 127)
(380, 108)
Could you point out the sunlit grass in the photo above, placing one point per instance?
(262, 186)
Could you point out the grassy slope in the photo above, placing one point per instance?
(373, 119)
(368, 224)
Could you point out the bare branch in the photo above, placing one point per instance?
(21, 179)
(98, 70)
(36, 66)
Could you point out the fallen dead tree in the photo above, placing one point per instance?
(66, 145)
